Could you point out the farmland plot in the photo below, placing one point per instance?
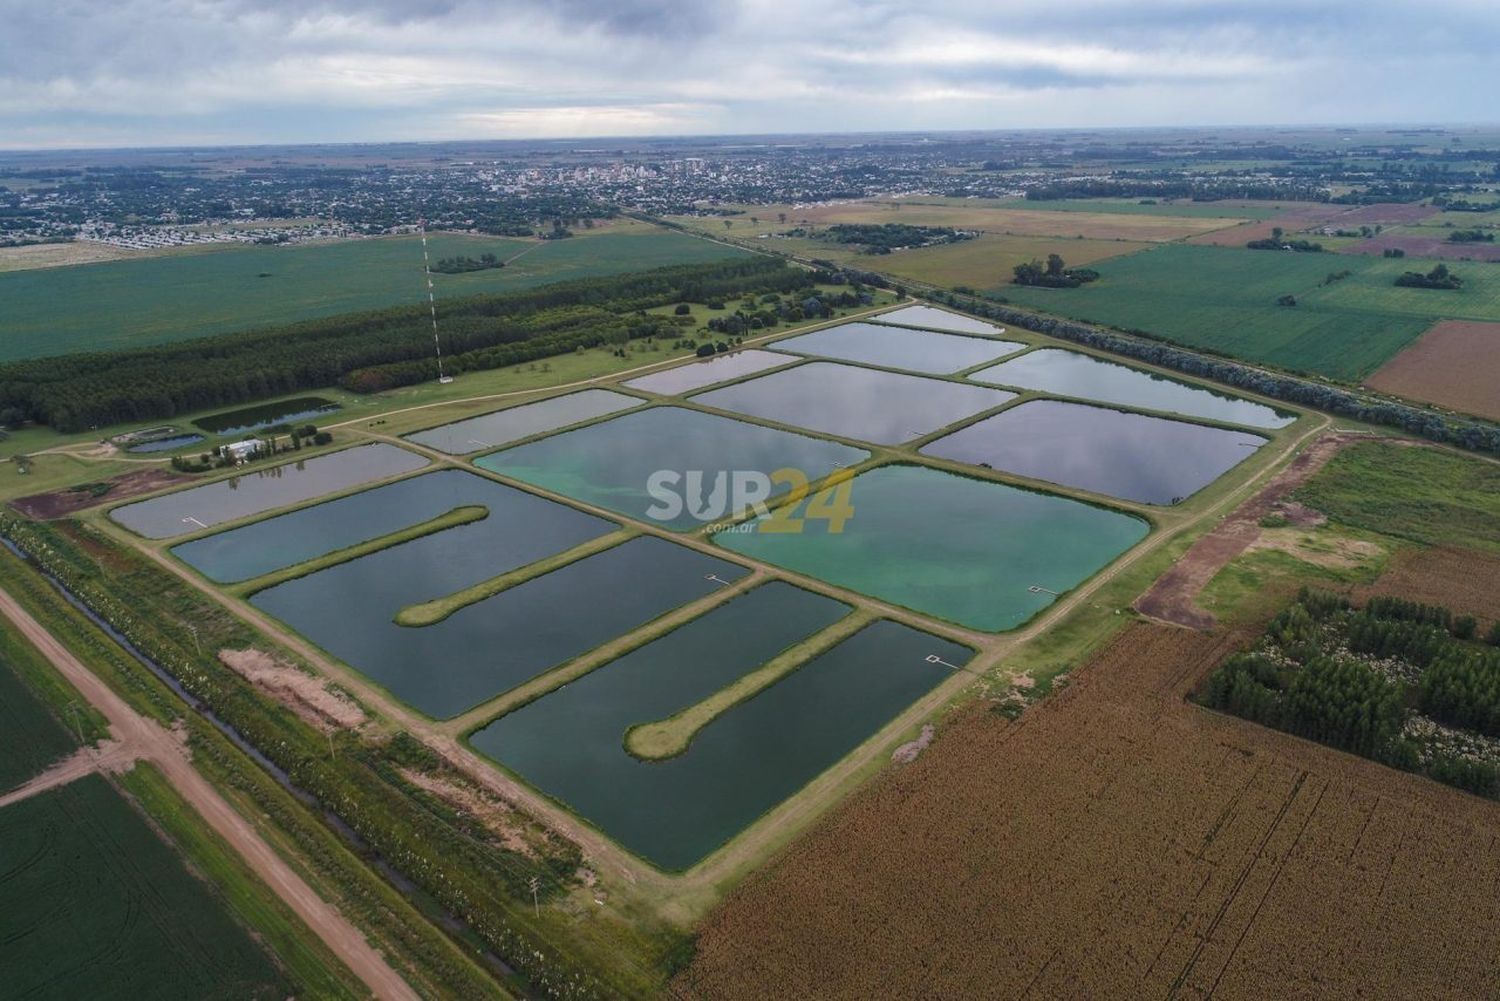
(1117, 842)
(94, 904)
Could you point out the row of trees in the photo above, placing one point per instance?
(366, 351)
(886, 237)
(1347, 678)
(1479, 436)
(464, 264)
(1278, 241)
(1438, 278)
(1054, 274)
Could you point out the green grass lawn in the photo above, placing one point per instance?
(31, 737)
(1223, 299)
(1421, 494)
(95, 904)
(154, 300)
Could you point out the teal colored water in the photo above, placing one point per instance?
(961, 549)
(503, 426)
(492, 645)
(292, 538)
(264, 488)
(609, 464)
(1148, 459)
(899, 347)
(860, 403)
(1069, 373)
(707, 371)
(673, 812)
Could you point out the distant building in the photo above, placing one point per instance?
(239, 451)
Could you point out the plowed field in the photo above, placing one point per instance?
(1116, 841)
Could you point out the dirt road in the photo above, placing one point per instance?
(1173, 598)
(152, 742)
(109, 756)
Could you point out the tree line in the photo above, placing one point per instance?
(366, 351)
(1349, 678)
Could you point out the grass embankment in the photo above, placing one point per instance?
(423, 954)
(672, 736)
(459, 865)
(431, 612)
(320, 973)
(465, 514)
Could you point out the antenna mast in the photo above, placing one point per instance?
(432, 302)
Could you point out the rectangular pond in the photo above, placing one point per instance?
(899, 347)
(476, 434)
(961, 549)
(673, 812)
(1148, 459)
(707, 371)
(1070, 373)
(501, 641)
(610, 464)
(932, 318)
(259, 548)
(264, 415)
(264, 488)
(861, 403)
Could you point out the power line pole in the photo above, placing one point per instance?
(536, 905)
(437, 346)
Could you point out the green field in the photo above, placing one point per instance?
(31, 738)
(119, 304)
(1421, 494)
(1223, 299)
(94, 904)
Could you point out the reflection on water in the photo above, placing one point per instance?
(1068, 373)
(860, 403)
(262, 489)
(1149, 459)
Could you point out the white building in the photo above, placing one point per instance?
(239, 451)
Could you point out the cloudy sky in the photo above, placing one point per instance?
(165, 72)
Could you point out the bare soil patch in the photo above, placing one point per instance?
(1295, 220)
(908, 752)
(1116, 841)
(1454, 364)
(309, 697)
(1387, 214)
(497, 816)
(1425, 246)
(1173, 598)
(60, 503)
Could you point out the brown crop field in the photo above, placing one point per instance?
(989, 218)
(1462, 579)
(1425, 246)
(989, 260)
(1298, 217)
(1117, 841)
(1454, 364)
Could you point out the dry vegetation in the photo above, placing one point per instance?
(1117, 841)
(312, 699)
(1454, 364)
(990, 218)
(1465, 581)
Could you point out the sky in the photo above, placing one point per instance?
(82, 73)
